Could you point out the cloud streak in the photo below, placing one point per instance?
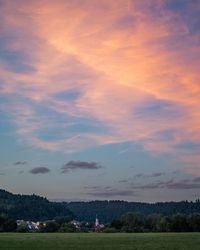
(113, 193)
(185, 184)
(157, 174)
(80, 165)
(20, 163)
(108, 192)
(39, 170)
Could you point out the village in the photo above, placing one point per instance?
(59, 225)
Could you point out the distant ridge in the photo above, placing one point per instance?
(34, 207)
(109, 210)
(30, 207)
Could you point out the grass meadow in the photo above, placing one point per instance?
(100, 241)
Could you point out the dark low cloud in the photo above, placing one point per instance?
(123, 181)
(176, 171)
(157, 174)
(140, 175)
(182, 185)
(149, 185)
(171, 184)
(97, 187)
(20, 163)
(197, 179)
(92, 187)
(73, 165)
(101, 174)
(108, 191)
(40, 170)
(112, 193)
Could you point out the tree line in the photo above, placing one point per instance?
(132, 222)
(36, 208)
(63, 224)
(30, 207)
(107, 211)
(7, 224)
(137, 222)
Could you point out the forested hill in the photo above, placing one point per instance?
(33, 207)
(109, 210)
(30, 207)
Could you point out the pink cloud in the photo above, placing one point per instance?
(81, 45)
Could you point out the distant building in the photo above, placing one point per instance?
(97, 225)
(76, 223)
(31, 226)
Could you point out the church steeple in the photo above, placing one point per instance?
(97, 225)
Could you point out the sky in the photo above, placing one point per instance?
(99, 100)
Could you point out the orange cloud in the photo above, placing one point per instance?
(121, 56)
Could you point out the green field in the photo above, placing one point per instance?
(100, 241)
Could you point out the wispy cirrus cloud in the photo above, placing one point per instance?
(130, 76)
(83, 165)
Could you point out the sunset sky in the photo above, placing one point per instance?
(100, 99)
